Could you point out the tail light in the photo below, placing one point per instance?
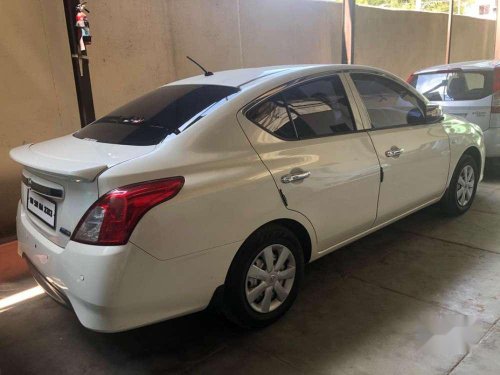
(113, 217)
(495, 102)
(410, 78)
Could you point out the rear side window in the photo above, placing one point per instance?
(314, 109)
(151, 118)
(319, 108)
(388, 103)
(272, 115)
(453, 85)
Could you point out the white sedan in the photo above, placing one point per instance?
(220, 188)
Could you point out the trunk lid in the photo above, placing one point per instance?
(60, 180)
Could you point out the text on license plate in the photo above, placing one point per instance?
(42, 208)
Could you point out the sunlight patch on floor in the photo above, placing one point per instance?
(7, 302)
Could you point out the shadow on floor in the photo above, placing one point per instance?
(336, 318)
(492, 172)
(361, 309)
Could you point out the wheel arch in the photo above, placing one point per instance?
(476, 155)
(300, 231)
(448, 203)
(472, 150)
(226, 297)
(297, 228)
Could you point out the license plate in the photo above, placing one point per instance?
(42, 208)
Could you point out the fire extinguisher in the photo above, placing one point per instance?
(83, 26)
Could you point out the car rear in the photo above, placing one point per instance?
(471, 91)
(60, 182)
(73, 228)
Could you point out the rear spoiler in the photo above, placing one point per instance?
(75, 170)
(430, 71)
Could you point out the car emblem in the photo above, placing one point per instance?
(29, 181)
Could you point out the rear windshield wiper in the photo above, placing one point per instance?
(444, 82)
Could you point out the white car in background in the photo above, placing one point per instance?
(221, 188)
(467, 89)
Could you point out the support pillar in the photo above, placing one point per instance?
(348, 12)
(81, 71)
(449, 32)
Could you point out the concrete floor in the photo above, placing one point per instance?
(419, 297)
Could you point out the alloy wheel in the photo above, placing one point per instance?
(270, 278)
(465, 186)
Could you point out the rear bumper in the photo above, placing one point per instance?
(492, 142)
(50, 288)
(116, 288)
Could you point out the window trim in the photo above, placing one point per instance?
(279, 90)
(366, 115)
(289, 114)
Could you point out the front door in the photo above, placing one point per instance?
(326, 169)
(414, 156)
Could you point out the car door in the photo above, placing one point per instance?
(413, 154)
(307, 135)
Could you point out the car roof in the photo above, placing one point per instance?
(239, 77)
(246, 76)
(464, 65)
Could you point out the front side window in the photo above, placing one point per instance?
(388, 103)
(453, 85)
(151, 118)
(314, 109)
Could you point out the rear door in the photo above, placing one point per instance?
(464, 93)
(414, 156)
(327, 169)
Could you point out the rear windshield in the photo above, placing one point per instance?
(148, 120)
(453, 85)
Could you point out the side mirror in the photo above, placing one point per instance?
(433, 97)
(415, 117)
(433, 113)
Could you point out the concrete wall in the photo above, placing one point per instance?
(131, 52)
(472, 39)
(403, 41)
(207, 31)
(135, 52)
(290, 32)
(143, 44)
(37, 93)
(399, 41)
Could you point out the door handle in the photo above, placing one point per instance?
(394, 152)
(292, 177)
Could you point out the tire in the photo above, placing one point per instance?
(454, 203)
(255, 302)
